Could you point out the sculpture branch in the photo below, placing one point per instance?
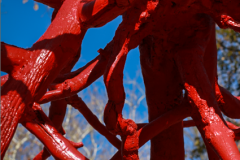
(51, 3)
(163, 122)
(85, 76)
(148, 131)
(228, 104)
(49, 55)
(177, 51)
(38, 123)
(4, 79)
(208, 119)
(12, 57)
(44, 154)
(78, 104)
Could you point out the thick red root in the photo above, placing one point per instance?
(38, 123)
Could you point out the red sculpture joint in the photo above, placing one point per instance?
(177, 44)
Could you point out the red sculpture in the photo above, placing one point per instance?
(178, 51)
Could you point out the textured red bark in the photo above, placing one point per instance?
(78, 80)
(49, 55)
(159, 125)
(231, 126)
(12, 57)
(229, 104)
(44, 154)
(38, 123)
(113, 78)
(206, 113)
(177, 51)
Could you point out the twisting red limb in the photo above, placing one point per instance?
(162, 81)
(79, 104)
(225, 13)
(12, 57)
(186, 124)
(174, 40)
(210, 64)
(37, 122)
(206, 113)
(57, 109)
(49, 55)
(225, 21)
(84, 77)
(164, 121)
(229, 22)
(236, 129)
(51, 3)
(228, 104)
(64, 36)
(113, 78)
(160, 124)
(44, 154)
(173, 43)
(57, 112)
(72, 83)
(36, 75)
(208, 121)
(4, 79)
(191, 123)
(90, 72)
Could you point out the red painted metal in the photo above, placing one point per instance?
(177, 51)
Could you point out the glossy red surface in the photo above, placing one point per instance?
(177, 52)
